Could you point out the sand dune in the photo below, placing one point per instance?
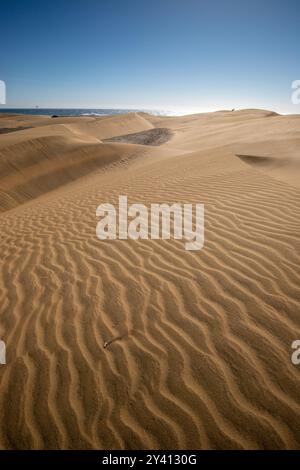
(199, 343)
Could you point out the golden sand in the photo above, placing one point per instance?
(198, 344)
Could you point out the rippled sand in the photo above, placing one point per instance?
(199, 352)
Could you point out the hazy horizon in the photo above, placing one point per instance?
(155, 111)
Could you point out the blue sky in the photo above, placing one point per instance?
(171, 54)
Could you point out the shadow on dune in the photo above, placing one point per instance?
(256, 159)
(157, 136)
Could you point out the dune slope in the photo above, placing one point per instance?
(199, 343)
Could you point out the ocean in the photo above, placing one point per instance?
(84, 112)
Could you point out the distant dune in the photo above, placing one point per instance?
(199, 343)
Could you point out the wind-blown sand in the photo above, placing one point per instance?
(199, 351)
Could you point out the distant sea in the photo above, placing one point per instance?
(84, 112)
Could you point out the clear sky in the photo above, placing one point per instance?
(171, 54)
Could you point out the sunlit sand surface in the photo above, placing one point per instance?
(197, 343)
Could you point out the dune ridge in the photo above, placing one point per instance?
(199, 343)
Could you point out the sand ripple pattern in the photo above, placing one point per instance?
(199, 342)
